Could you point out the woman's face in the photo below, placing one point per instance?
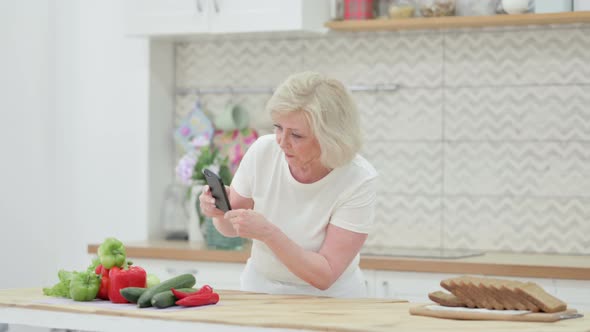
(295, 138)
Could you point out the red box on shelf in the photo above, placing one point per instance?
(358, 9)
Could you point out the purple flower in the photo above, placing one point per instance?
(200, 141)
(184, 169)
(185, 131)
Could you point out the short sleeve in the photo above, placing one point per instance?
(244, 176)
(357, 211)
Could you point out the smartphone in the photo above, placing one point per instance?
(217, 190)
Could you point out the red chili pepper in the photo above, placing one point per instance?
(103, 291)
(205, 289)
(196, 300)
(181, 295)
(120, 278)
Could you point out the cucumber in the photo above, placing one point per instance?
(182, 281)
(132, 294)
(167, 299)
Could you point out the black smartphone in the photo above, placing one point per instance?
(217, 190)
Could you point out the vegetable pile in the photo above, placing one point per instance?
(113, 278)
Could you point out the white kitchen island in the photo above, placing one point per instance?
(88, 322)
(242, 311)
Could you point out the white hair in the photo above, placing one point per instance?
(330, 111)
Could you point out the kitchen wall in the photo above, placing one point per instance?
(26, 131)
(74, 127)
(485, 145)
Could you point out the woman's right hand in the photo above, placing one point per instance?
(207, 204)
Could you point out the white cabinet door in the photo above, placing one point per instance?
(411, 286)
(167, 17)
(576, 293)
(217, 275)
(369, 282)
(181, 17)
(256, 15)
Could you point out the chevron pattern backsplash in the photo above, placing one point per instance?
(485, 145)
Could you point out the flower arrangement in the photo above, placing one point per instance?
(189, 172)
(190, 167)
(197, 137)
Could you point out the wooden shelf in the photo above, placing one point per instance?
(454, 22)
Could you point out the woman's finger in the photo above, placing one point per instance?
(233, 213)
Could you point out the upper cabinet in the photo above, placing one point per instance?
(165, 17)
(182, 17)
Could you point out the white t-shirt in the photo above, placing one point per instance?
(345, 198)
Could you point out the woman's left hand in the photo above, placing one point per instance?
(250, 224)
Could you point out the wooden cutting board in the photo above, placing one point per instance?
(484, 314)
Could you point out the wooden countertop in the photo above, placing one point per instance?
(250, 311)
(492, 263)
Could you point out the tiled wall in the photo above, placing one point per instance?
(485, 145)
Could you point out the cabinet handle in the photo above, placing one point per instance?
(199, 6)
(385, 285)
(174, 272)
(216, 6)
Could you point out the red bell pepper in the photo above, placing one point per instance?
(119, 278)
(206, 289)
(199, 299)
(103, 291)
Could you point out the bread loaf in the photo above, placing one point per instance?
(537, 295)
(497, 294)
(446, 299)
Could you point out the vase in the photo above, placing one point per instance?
(216, 240)
(195, 233)
(201, 228)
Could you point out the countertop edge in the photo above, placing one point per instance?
(384, 263)
(183, 254)
(465, 267)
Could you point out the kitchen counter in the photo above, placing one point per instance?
(491, 263)
(241, 311)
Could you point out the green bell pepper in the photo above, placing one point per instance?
(84, 286)
(112, 253)
(62, 288)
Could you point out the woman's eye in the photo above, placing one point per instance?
(296, 136)
(277, 127)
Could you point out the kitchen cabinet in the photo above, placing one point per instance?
(182, 17)
(415, 286)
(567, 277)
(370, 282)
(219, 275)
(411, 286)
(157, 17)
(575, 292)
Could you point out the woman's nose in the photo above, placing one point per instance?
(283, 140)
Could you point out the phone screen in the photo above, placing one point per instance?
(217, 190)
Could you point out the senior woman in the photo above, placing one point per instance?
(303, 195)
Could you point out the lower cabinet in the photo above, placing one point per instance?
(411, 286)
(370, 282)
(217, 275)
(575, 292)
(415, 286)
